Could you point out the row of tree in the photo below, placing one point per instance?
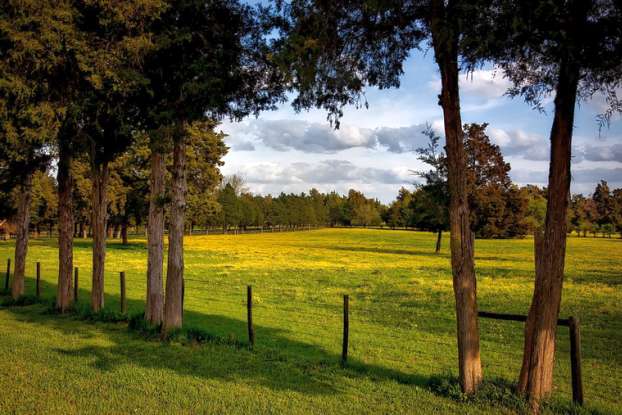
(81, 82)
(499, 208)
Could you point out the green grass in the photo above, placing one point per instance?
(402, 329)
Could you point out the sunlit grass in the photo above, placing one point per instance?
(402, 326)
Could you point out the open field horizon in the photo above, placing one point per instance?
(402, 326)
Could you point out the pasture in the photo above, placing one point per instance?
(402, 329)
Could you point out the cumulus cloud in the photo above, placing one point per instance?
(310, 137)
(284, 135)
(322, 172)
(484, 83)
(602, 153)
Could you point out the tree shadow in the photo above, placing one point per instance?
(396, 251)
(276, 362)
(87, 243)
(406, 252)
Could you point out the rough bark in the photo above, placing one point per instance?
(173, 307)
(64, 294)
(155, 232)
(439, 236)
(445, 43)
(99, 208)
(124, 232)
(536, 377)
(21, 238)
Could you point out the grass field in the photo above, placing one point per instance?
(401, 328)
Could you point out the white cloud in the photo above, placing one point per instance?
(483, 83)
(323, 172)
(602, 153)
(312, 137)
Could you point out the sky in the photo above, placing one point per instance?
(373, 150)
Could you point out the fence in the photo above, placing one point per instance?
(385, 338)
(575, 347)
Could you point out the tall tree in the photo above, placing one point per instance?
(118, 39)
(39, 46)
(570, 49)
(431, 202)
(210, 61)
(333, 50)
(604, 202)
(29, 113)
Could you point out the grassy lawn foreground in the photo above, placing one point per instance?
(401, 327)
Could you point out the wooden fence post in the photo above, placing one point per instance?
(249, 315)
(38, 286)
(575, 360)
(75, 284)
(8, 272)
(346, 328)
(123, 297)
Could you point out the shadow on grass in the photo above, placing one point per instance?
(278, 362)
(407, 252)
(87, 243)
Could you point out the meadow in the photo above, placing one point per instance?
(402, 328)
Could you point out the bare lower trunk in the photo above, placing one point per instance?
(173, 307)
(21, 238)
(154, 309)
(536, 377)
(124, 232)
(445, 42)
(99, 207)
(439, 235)
(64, 294)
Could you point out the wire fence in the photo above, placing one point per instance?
(383, 335)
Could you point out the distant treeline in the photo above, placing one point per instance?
(233, 207)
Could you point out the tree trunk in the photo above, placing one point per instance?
(439, 235)
(21, 238)
(64, 294)
(536, 376)
(155, 232)
(173, 307)
(98, 223)
(115, 231)
(124, 232)
(445, 43)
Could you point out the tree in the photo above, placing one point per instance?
(617, 212)
(209, 61)
(497, 207)
(204, 155)
(41, 50)
(117, 44)
(431, 201)
(28, 112)
(605, 206)
(334, 50)
(44, 203)
(572, 49)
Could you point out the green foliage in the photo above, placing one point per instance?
(495, 393)
(498, 208)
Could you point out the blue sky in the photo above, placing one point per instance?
(372, 151)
